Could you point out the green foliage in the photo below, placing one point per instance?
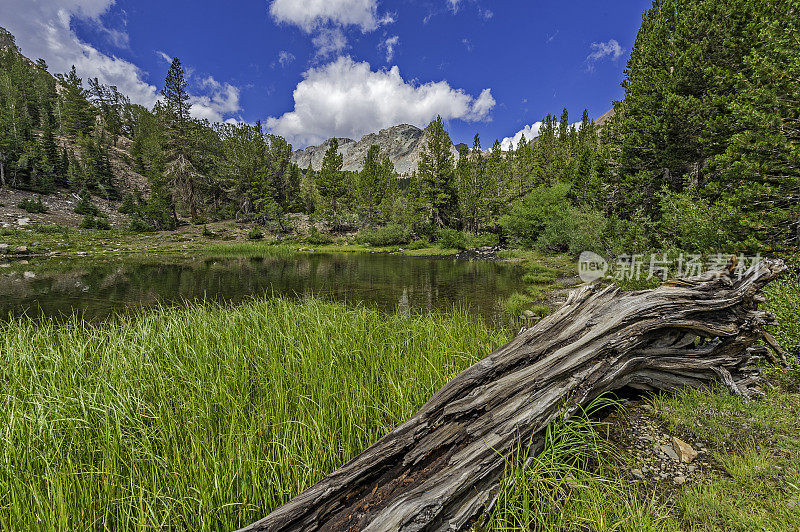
(90, 221)
(377, 183)
(317, 238)
(452, 239)
(436, 175)
(388, 235)
(33, 206)
(50, 229)
(130, 204)
(255, 234)
(517, 303)
(85, 205)
(330, 179)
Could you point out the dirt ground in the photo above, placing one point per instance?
(61, 209)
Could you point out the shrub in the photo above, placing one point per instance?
(452, 239)
(421, 243)
(255, 234)
(388, 235)
(317, 238)
(208, 232)
(85, 205)
(529, 217)
(482, 240)
(94, 222)
(50, 229)
(130, 204)
(34, 206)
(139, 224)
(573, 230)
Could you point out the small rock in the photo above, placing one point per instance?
(21, 249)
(647, 407)
(684, 451)
(637, 473)
(670, 452)
(679, 480)
(692, 468)
(3, 248)
(23, 262)
(29, 275)
(529, 314)
(23, 221)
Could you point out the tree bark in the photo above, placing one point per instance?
(440, 469)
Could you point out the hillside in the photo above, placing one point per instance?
(403, 143)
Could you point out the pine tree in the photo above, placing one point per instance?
(375, 182)
(77, 116)
(436, 173)
(330, 179)
(180, 167)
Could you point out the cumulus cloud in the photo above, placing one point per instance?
(327, 20)
(218, 100)
(348, 99)
(388, 46)
(310, 15)
(43, 30)
(530, 132)
(603, 50)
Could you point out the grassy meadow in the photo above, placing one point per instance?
(208, 417)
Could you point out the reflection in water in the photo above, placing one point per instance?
(97, 290)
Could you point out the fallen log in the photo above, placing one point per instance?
(439, 470)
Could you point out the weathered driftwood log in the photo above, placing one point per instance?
(439, 469)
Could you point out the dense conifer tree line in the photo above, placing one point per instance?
(701, 154)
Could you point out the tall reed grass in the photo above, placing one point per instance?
(208, 417)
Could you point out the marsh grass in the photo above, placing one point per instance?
(572, 484)
(208, 417)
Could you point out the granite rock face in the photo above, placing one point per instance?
(403, 144)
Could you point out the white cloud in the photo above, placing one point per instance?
(284, 58)
(388, 46)
(530, 132)
(327, 20)
(329, 41)
(602, 50)
(167, 59)
(220, 99)
(348, 99)
(42, 29)
(310, 15)
(454, 5)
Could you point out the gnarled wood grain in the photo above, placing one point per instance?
(438, 470)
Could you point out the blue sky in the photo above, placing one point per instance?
(310, 69)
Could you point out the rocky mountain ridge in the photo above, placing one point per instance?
(403, 143)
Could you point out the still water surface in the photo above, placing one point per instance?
(98, 288)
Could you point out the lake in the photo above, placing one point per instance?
(99, 287)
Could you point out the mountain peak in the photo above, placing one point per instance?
(403, 144)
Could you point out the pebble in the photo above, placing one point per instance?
(637, 473)
(679, 480)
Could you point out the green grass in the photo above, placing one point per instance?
(572, 484)
(207, 418)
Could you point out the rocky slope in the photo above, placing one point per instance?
(402, 143)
